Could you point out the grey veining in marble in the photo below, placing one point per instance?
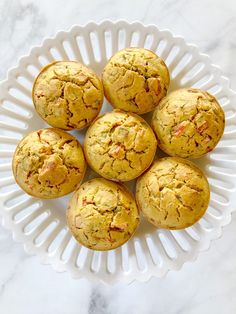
(203, 287)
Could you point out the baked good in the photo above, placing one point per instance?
(173, 193)
(135, 80)
(48, 163)
(102, 215)
(188, 123)
(120, 145)
(67, 95)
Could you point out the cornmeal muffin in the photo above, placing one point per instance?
(48, 163)
(67, 95)
(102, 215)
(120, 146)
(173, 194)
(135, 80)
(188, 123)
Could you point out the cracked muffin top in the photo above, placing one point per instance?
(48, 163)
(67, 95)
(173, 194)
(188, 123)
(135, 80)
(102, 215)
(120, 145)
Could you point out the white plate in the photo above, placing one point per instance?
(41, 225)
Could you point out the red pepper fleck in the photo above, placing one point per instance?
(178, 130)
(86, 202)
(209, 149)
(141, 132)
(207, 139)
(202, 127)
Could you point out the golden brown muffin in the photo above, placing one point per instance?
(120, 146)
(102, 215)
(188, 123)
(173, 194)
(135, 80)
(67, 95)
(48, 163)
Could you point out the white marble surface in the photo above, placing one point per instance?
(206, 286)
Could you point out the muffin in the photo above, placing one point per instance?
(102, 215)
(188, 123)
(67, 95)
(120, 146)
(135, 80)
(48, 163)
(173, 194)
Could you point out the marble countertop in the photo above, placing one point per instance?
(205, 286)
